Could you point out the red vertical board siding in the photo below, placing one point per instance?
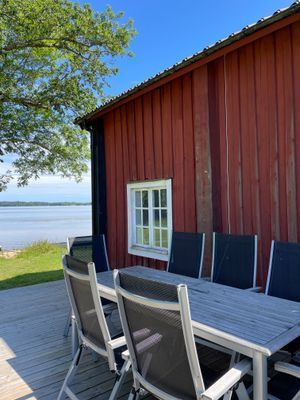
(110, 164)
(233, 142)
(249, 154)
(157, 133)
(148, 137)
(139, 135)
(190, 220)
(167, 130)
(203, 190)
(286, 132)
(267, 138)
(238, 118)
(119, 192)
(178, 161)
(222, 120)
(295, 29)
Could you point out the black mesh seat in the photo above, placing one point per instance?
(93, 331)
(158, 331)
(234, 260)
(187, 254)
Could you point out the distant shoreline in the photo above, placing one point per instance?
(40, 203)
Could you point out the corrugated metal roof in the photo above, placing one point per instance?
(246, 31)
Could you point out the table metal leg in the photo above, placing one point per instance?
(260, 377)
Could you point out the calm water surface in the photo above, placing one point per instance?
(20, 226)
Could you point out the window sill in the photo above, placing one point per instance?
(156, 254)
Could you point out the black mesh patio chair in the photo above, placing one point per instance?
(285, 384)
(284, 277)
(234, 260)
(284, 271)
(158, 331)
(81, 283)
(187, 252)
(89, 249)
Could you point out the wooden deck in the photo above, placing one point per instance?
(34, 355)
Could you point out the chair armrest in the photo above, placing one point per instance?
(287, 368)
(118, 342)
(125, 355)
(227, 381)
(256, 289)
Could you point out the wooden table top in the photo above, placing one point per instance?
(238, 319)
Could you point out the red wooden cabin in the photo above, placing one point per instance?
(221, 131)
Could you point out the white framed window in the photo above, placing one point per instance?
(150, 218)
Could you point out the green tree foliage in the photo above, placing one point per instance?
(55, 57)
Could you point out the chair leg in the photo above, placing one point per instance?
(75, 342)
(71, 372)
(120, 379)
(68, 324)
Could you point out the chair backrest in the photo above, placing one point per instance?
(81, 282)
(234, 260)
(158, 331)
(186, 256)
(89, 249)
(284, 271)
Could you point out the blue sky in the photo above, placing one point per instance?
(168, 30)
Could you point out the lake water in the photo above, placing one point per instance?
(20, 226)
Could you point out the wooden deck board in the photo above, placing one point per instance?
(34, 355)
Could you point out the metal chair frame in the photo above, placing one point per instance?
(214, 392)
(85, 342)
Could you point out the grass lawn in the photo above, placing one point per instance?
(40, 262)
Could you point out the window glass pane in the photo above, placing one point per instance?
(139, 236)
(164, 218)
(146, 235)
(138, 217)
(156, 218)
(157, 237)
(155, 198)
(164, 238)
(145, 218)
(163, 198)
(145, 198)
(138, 199)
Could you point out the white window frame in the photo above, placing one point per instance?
(142, 250)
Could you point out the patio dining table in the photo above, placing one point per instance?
(249, 323)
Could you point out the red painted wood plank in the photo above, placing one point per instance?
(131, 137)
(267, 139)
(286, 135)
(110, 164)
(190, 220)
(157, 133)
(120, 206)
(296, 76)
(139, 136)
(249, 159)
(126, 178)
(178, 148)
(233, 138)
(203, 183)
(167, 138)
(148, 137)
(222, 126)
